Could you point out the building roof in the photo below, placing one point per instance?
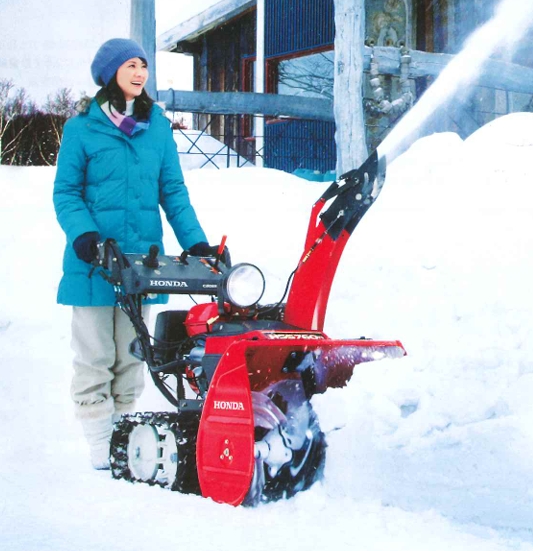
(190, 30)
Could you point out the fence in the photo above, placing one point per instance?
(287, 144)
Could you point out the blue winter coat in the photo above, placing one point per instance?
(111, 183)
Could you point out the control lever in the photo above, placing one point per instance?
(151, 261)
(183, 257)
(220, 250)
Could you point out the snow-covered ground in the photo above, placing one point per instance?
(433, 451)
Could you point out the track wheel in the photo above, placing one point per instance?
(156, 448)
(148, 453)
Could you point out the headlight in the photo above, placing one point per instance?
(243, 285)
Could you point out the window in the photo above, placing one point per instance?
(308, 75)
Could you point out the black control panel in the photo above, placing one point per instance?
(143, 274)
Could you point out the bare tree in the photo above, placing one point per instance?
(61, 103)
(5, 89)
(348, 84)
(29, 135)
(61, 106)
(12, 106)
(21, 104)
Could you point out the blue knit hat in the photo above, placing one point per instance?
(111, 55)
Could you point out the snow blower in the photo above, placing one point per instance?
(240, 376)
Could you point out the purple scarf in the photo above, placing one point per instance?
(128, 125)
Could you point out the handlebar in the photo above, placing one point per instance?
(160, 274)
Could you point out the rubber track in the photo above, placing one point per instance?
(183, 425)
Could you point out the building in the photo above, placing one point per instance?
(298, 52)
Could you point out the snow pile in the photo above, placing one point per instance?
(444, 263)
(430, 451)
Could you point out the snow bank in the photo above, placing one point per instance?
(444, 263)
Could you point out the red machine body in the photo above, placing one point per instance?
(249, 434)
(225, 447)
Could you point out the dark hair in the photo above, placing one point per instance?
(115, 95)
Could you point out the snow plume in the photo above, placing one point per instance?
(511, 20)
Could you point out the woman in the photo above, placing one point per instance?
(117, 163)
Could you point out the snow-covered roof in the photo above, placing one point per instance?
(189, 30)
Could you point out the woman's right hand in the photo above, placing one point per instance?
(85, 246)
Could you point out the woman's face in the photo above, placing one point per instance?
(131, 77)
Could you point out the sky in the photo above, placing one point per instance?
(46, 46)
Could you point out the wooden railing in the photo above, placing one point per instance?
(496, 74)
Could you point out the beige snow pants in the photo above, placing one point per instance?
(107, 378)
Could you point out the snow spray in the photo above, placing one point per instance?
(511, 20)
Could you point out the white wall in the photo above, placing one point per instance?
(50, 45)
(46, 45)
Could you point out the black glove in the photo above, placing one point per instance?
(204, 249)
(85, 246)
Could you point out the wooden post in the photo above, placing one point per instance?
(142, 30)
(348, 84)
